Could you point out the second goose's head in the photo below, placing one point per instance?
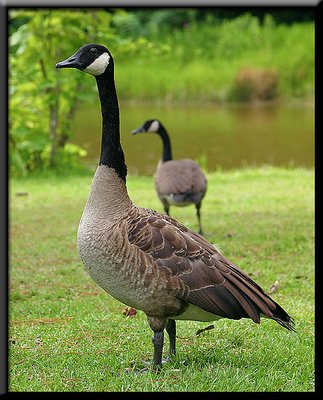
(94, 59)
(151, 125)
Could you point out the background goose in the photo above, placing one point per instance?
(177, 182)
(148, 260)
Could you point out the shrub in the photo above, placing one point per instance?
(253, 84)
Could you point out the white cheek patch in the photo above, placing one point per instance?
(154, 126)
(99, 65)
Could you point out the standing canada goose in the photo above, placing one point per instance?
(148, 260)
(177, 182)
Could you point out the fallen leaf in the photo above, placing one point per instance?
(274, 288)
(129, 312)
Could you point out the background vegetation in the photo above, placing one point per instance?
(182, 55)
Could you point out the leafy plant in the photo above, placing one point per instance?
(43, 101)
(202, 60)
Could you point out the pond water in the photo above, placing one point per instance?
(225, 137)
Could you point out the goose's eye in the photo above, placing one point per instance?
(94, 51)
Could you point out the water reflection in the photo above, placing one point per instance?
(215, 136)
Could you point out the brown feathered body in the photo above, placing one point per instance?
(151, 262)
(180, 182)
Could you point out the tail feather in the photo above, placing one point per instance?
(254, 293)
(283, 319)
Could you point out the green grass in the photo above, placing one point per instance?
(66, 334)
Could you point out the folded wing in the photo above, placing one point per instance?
(214, 283)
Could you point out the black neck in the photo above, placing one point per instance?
(111, 150)
(167, 150)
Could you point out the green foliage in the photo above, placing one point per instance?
(43, 100)
(215, 15)
(37, 102)
(127, 24)
(202, 60)
(68, 156)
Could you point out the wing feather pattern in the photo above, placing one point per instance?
(213, 282)
(180, 177)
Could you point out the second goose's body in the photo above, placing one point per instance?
(148, 260)
(177, 182)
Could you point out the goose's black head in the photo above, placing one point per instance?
(94, 59)
(151, 125)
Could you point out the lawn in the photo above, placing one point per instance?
(66, 334)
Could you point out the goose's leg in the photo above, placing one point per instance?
(198, 213)
(158, 326)
(171, 330)
(158, 341)
(166, 209)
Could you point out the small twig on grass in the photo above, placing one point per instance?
(40, 375)
(199, 331)
(88, 337)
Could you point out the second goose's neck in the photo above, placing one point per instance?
(167, 150)
(111, 151)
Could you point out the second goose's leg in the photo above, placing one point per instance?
(198, 206)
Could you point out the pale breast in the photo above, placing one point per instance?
(104, 255)
(123, 270)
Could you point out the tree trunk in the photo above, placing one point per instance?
(53, 122)
(69, 118)
(53, 117)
